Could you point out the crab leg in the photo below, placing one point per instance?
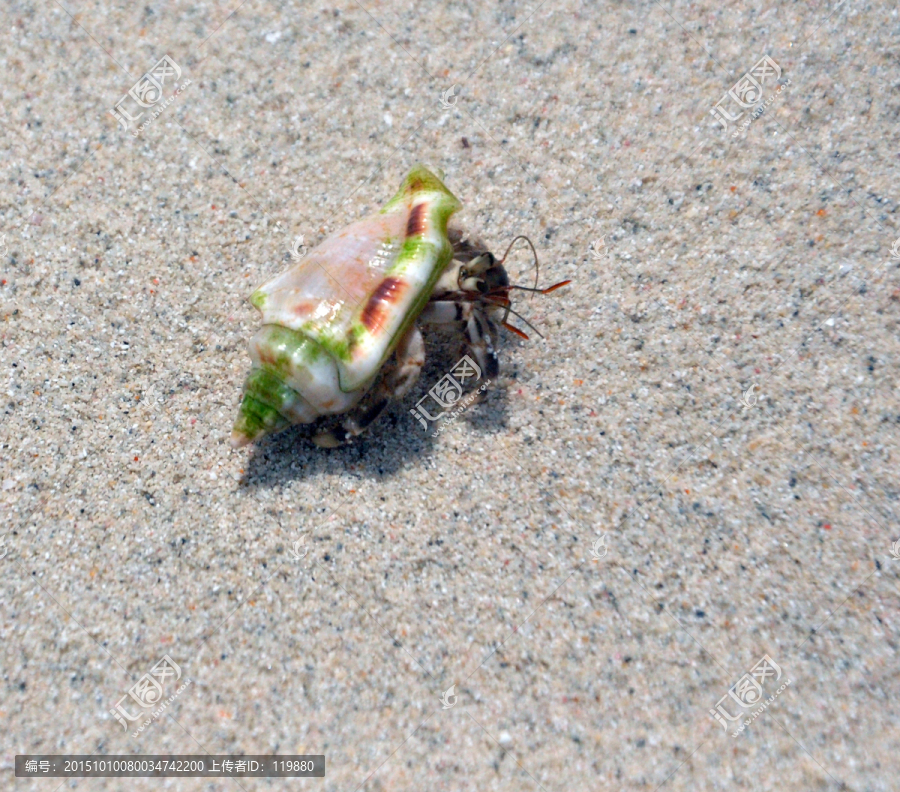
(476, 326)
(396, 382)
(479, 331)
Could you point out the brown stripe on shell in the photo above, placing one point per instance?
(378, 308)
(417, 222)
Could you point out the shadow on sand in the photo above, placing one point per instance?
(393, 441)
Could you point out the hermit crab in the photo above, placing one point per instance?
(340, 332)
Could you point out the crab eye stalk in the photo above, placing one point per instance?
(496, 279)
(481, 264)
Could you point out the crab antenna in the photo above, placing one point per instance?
(514, 329)
(501, 299)
(511, 311)
(536, 263)
(549, 289)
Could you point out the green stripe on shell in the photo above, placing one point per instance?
(332, 320)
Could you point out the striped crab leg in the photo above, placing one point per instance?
(476, 326)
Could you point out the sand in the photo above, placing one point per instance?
(691, 471)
